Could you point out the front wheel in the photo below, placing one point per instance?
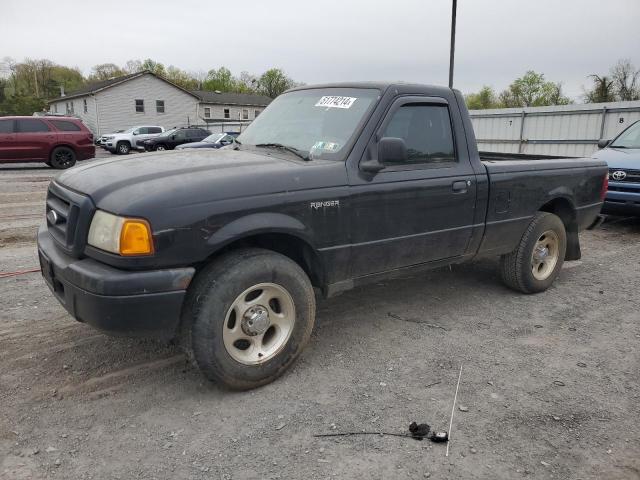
(247, 317)
(160, 148)
(536, 262)
(62, 158)
(123, 148)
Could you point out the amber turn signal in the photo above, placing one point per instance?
(135, 238)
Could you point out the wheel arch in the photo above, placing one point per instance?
(272, 231)
(564, 208)
(62, 144)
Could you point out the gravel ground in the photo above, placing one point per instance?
(549, 387)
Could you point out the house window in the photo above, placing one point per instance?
(139, 106)
(159, 106)
(245, 114)
(227, 114)
(256, 113)
(84, 105)
(69, 108)
(55, 108)
(207, 112)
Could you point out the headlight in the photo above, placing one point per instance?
(109, 137)
(120, 235)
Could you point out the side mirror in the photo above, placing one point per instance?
(603, 143)
(392, 150)
(173, 137)
(135, 133)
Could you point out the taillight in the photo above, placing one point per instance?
(605, 186)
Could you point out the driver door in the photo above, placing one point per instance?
(421, 209)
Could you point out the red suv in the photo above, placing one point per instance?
(56, 141)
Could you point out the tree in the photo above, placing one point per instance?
(626, 80)
(485, 98)
(153, 67)
(105, 71)
(132, 66)
(181, 78)
(532, 90)
(273, 82)
(246, 83)
(602, 90)
(221, 79)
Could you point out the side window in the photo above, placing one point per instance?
(31, 125)
(180, 134)
(65, 126)
(143, 131)
(155, 130)
(139, 106)
(227, 114)
(426, 129)
(159, 106)
(6, 126)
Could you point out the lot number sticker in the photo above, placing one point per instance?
(336, 102)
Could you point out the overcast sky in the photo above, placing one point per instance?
(330, 40)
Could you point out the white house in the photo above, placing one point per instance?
(147, 99)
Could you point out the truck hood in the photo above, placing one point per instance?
(138, 183)
(620, 157)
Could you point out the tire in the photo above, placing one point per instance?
(160, 148)
(536, 262)
(226, 345)
(62, 158)
(123, 148)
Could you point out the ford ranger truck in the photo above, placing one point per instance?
(331, 187)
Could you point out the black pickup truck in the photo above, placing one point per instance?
(330, 187)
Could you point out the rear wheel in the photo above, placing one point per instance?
(536, 262)
(62, 157)
(247, 317)
(123, 148)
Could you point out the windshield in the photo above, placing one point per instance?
(318, 123)
(630, 138)
(168, 132)
(213, 138)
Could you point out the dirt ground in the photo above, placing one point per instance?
(550, 383)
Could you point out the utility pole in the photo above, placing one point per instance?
(452, 51)
(35, 79)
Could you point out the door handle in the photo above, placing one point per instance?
(460, 186)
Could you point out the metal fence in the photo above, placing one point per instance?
(568, 130)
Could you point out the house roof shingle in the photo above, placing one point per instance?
(228, 98)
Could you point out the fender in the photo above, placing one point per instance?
(256, 223)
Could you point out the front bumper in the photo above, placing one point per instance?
(86, 152)
(130, 303)
(624, 200)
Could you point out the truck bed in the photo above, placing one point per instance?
(498, 162)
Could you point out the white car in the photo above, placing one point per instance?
(132, 138)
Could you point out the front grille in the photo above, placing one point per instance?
(68, 214)
(631, 176)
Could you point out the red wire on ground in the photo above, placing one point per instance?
(20, 272)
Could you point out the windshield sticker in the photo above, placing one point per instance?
(326, 146)
(336, 102)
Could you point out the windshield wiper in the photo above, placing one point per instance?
(293, 150)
